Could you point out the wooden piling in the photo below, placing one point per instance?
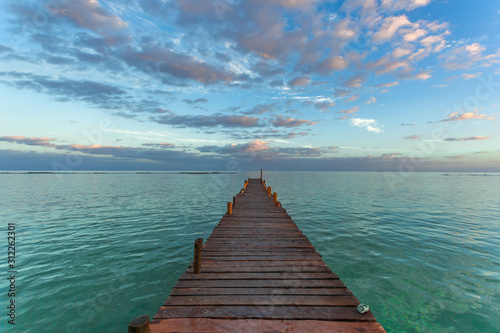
(269, 191)
(275, 197)
(198, 247)
(229, 208)
(139, 325)
(234, 201)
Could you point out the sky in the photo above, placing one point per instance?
(374, 85)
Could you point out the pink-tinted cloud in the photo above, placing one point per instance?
(33, 141)
(89, 14)
(281, 121)
(390, 27)
(472, 138)
(413, 137)
(455, 116)
(323, 106)
(352, 98)
(371, 100)
(299, 81)
(469, 76)
(350, 111)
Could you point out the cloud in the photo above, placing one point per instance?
(331, 64)
(63, 89)
(33, 141)
(413, 35)
(390, 27)
(260, 109)
(281, 121)
(352, 98)
(472, 138)
(404, 4)
(370, 125)
(5, 49)
(299, 81)
(424, 75)
(323, 106)
(349, 111)
(413, 137)
(345, 30)
(464, 56)
(158, 60)
(163, 145)
(233, 148)
(468, 76)
(371, 100)
(408, 124)
(341, 92)
(387, 85)
(355, 81)
(455, 116)
(277, 83)
(400, 52)
(202, 121)
(261, 150)
(195, 101)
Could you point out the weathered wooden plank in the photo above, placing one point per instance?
(259, 258)
(340, 313)
(272, 299)
(268, 269)
(205, 325)
(263, 263)
(258, 276)
(261, 291)
(332, 283)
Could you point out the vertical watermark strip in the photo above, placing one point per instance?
(11, 273)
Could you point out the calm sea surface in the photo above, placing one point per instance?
(94, 251)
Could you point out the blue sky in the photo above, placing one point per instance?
(223, 85)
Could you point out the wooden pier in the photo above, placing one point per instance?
(258, 273)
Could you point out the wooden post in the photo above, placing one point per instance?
(260, 174)
(269, 191)
(245, 184)
(234, 201)
(275, 197)
(139, 325)
(198, 246)
(278, 204)
(229, 208)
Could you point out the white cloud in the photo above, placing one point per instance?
(469, 76)
(371, 100)
(404, 4)
(344, 31)
(425, 75)
(400, 52)
(414, 35)
(370, 125)
(390, 26)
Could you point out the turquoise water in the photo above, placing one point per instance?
(94, 251)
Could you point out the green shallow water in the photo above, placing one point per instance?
(97, 250)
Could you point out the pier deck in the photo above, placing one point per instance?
(259, 273)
